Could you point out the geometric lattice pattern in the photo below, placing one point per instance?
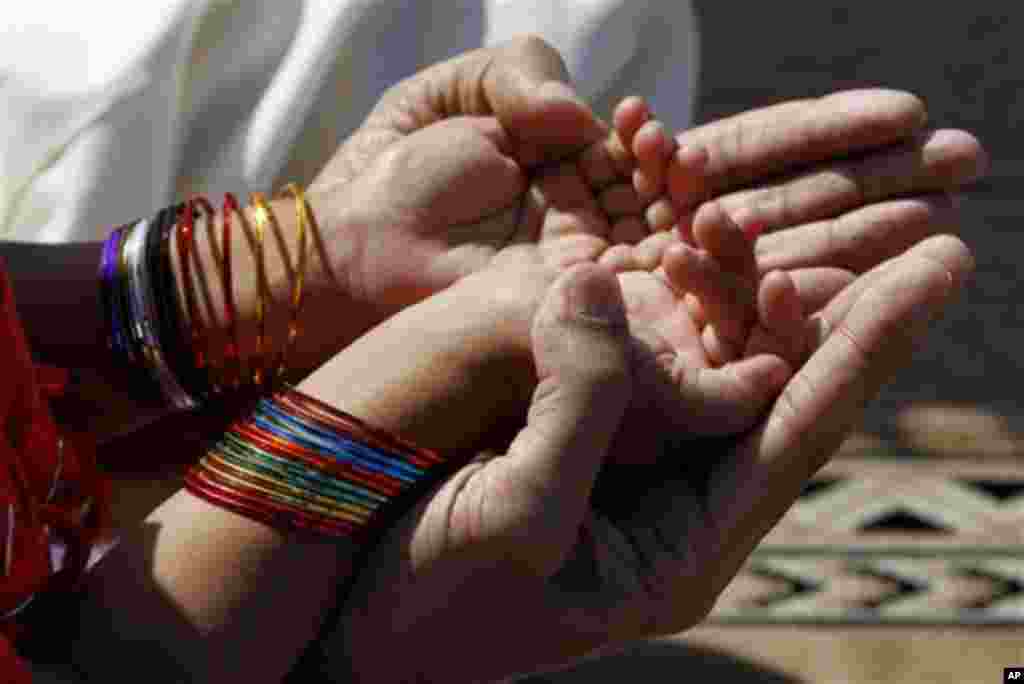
(883, 541)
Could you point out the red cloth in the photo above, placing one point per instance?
(51, 492)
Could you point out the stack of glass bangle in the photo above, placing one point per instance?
(138, 295)
(299, 465)
(293, 463)
(148, 329)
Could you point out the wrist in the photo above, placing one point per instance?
(443, 373)
(332, 314)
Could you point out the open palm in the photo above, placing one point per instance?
(566, 567)
(650, 548)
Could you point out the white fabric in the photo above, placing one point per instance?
(109, 110)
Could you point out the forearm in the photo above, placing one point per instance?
(58, 295)
(202, 594)
(332, 313)
(445, 373)
(210, 582)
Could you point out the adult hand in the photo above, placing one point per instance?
(496, 113)
(463, 201)
(856, 172)
(566, 568)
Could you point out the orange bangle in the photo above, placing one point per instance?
(302, 220)
(261, 217)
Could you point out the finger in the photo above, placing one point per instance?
(724, 239)
(718, 348)
(728, 303)
(730, 399)
(629, 117)
(597, 167)
(944, 252)
(652, 148)
(581, 351)
(696, 310)
(768, 141)
(825, 399)
(524, 82)
(938, 161)
(608, 160)
(645, 255)
(650, 252)
(619, 258)
(816, 287)
(781, 328)
(860, 239)
(661, 215)
(685, 177)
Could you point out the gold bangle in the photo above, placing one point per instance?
(302, 221)
(261, 216)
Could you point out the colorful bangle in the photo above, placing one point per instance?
(297, 464)
(107, 272)
(154, 321)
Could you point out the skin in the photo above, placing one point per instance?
(205, 619)
(461, 372)
(581, 569)
(589, 555)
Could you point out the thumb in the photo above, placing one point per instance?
(527, 87)
(581, 350)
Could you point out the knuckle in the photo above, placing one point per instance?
(532, 43)
(790, 408)
(850, 244)
(723, 154)
(778, 202)
(859, 355)
(532, 46)
(910, 107)
(861, 184)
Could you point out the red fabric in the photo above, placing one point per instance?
(50, 489)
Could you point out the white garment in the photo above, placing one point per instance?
(108, 110)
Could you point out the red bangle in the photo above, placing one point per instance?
(231, 352)
(206, 486)
(215, 375)
(186, 243)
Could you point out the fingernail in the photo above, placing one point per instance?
(595, 295)
(749, 222)
(691, 157)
